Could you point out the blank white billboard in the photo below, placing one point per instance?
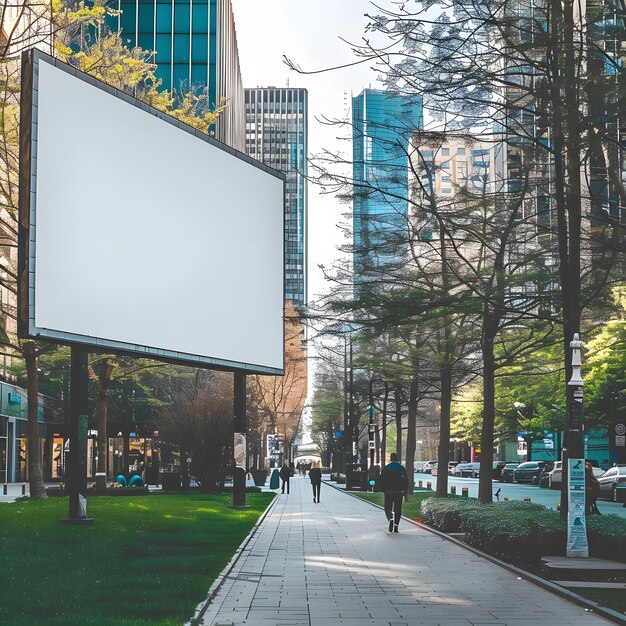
(148, 237)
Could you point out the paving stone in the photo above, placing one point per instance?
(335, 564)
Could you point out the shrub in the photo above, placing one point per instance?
(509, 529)
(607, 536)
(514, 533)
(445, 514)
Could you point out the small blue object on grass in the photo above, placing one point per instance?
(121, 479)
(135, 481)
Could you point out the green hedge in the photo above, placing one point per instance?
(521, 530)
(514, 529)
(607, 536)
(515, 532)
(445, 514)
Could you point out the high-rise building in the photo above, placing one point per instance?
(195, 46)
(383, 124)
(276, 134)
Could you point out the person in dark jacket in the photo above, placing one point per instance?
(285, 473)
(394, 482)
(315, 474)
(592, 491)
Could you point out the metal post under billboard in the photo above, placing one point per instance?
(239, 449)
(577, 545)
(76, 471)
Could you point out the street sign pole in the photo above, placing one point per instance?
(577, 545)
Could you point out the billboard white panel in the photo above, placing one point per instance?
(148, 237)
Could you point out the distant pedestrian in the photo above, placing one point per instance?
(285, 473)
(315, 474)
(394, 482)
(592, 491)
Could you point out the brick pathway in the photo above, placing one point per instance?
(336, 563)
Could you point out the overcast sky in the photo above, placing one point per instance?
(310, 34)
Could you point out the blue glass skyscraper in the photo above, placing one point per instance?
(383, 124)
(195, 46)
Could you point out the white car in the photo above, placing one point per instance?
(555, 475)
(612, 478)
(429, 466)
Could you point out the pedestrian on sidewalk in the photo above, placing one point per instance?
(285, 473)
(592, 491)
(394, 482)
(315, 474)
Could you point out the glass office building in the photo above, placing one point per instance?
(276, 134)
(383, 124)
(195, 46)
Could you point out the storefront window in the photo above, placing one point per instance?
(57, 466)
(21, 462)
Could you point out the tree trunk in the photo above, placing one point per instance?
(485, 487)
(383, 441)
(410, 433)
(104, 380)
(35, 467)
(445, 377)
(184, 470)
(399, 421)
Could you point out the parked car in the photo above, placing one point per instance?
(461, 468)
(544, 477)
(506, 475)
(497, 468)
(528, 472)
(430, 466)
(452, 465)
(613, 477)
(475, 469)
(555, 475)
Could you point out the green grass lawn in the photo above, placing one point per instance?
(146, 560)
(612, 598)
(410, 509)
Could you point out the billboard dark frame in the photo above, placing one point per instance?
(26, 234)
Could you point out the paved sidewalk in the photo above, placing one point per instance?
(336, 563)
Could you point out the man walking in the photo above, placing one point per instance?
(285, 474)
(394, 482)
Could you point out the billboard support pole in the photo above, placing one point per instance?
(76, 474)
(240, 430)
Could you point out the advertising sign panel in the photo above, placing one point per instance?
(240, 450)
(140, 234)
(577, 545)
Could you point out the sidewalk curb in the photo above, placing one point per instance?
(219, 581)
(590, 605)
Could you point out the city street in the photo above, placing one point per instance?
(549, 497)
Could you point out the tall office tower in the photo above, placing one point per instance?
(383, 124)
(195, 45)
(528, 136)
(276, 134)
(530, 165)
